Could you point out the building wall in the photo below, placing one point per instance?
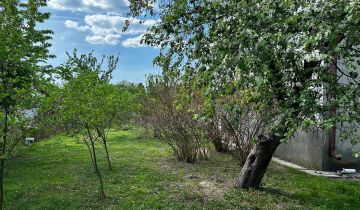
(345, 149)
(308, 149)
(311, 149)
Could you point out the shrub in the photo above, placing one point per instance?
(235, 125)
(175, 125)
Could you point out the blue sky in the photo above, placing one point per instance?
(97, 25)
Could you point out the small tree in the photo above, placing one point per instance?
(131, 115)
(46, 123)
(22, 48)
(89, 103)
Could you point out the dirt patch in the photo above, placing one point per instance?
(208, 179)
(210, 191)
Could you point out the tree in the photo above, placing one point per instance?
(136, 93)
(47, 112)
(22, 48)
(298, 58)
(88, 103)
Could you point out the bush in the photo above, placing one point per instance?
(216, 133)
(175, 125)
(235, 125)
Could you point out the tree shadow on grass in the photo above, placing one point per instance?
(337, 196)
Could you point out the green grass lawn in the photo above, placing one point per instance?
(57, 174)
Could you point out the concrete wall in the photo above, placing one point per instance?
(311, 149)
(345, 148)
(308, 149)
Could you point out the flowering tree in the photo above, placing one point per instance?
(298, 58)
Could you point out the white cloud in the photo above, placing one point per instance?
(107, 29)
(133, 42)
(104, 24)
(111, 39)
(89, 5)
(102, 4)
(75, 25)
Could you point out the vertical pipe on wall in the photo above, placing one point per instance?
(332, 135)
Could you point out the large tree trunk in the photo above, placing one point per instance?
(257, 162)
